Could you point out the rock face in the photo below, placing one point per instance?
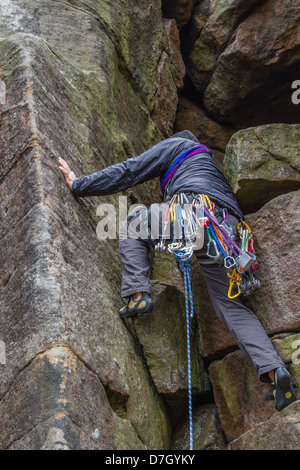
(171, 72)
(245, 51)
(56, 381)
(166, 354)
(181, 10)
(276, 303)
(240, 397)
(268, 435)
(263, 162)
(97, 82)
(63, 103)
(207, 431)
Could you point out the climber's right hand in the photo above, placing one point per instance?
(68, 174)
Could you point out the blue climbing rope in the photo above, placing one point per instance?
(185, 268)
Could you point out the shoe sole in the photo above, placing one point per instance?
(285, 394)
(137, 312)
(147, 310)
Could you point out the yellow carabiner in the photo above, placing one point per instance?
(173, 208)
(233, 280)
(207, 201)
(244, 224)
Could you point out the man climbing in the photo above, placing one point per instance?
(187, 168)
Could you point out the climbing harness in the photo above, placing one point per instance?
(189, 220)
(185, 223)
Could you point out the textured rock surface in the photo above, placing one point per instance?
(96, 82)
(60, 102)
(244, 60)
(56, 381)
(280, 432)
(181, 10)
(171, 71)
(166, 354)
(260, 49)
(276, 234)
(173, 50)
(240, 397)
(207, 432)
(214, 37)
(199, 17)
(262, 162)
(208, 131)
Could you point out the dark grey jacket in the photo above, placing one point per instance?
(197, 174)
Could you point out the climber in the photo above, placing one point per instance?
(185, 166)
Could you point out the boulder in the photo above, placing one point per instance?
(214, 36)
(263, 162)
(253, 60)
(280, 432)
(276, 240)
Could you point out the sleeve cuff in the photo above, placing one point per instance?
(75, 186)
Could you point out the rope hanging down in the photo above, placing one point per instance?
(185, 268)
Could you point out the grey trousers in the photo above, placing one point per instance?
(243, 324)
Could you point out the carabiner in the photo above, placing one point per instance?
(233, 280)
(227, 260)
(212, 250)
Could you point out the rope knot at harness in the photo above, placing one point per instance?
(185, 267)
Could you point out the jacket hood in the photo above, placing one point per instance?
(187, 135)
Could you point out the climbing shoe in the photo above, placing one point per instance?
(134, 307)
(283, 389)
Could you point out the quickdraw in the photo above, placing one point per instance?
(184, 219)
(238, 257)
